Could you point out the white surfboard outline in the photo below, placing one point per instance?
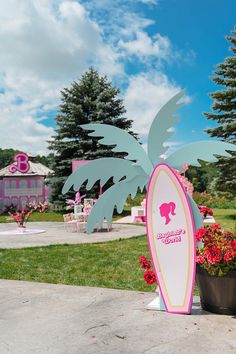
(186, 307)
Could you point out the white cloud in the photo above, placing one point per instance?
(118, 19)
(50, 42)
(19, 128)
(44, 45)
(143, 46)
(171, 130)
(145, 95)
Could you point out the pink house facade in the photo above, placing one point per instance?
(20, 188)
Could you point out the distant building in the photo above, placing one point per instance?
(20, 186)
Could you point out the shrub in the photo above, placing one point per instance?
(223, 201)
(136, 201)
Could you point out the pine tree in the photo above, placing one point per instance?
(92, 99)
(224, 113)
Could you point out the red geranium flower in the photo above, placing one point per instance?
(213, 255)
(205, 210)
(200, 233)
(215, 226)
(233, 244)
(200, 259)
(150, 277)
(217, 252)
(144, 262)
(228, 256)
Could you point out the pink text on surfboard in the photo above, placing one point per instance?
(171, 236)
(166, 209)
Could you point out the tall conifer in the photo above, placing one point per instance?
(92, 99)
(224, 113)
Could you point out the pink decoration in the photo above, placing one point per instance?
(78, 163)
(185, 182)
(143, 203)
(78, 197)
(77, 201)
(171, 241)
(186, 167)
(166, 209)
(140, 219)
(21, 163)
(88, 208)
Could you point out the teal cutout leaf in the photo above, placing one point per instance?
(114, 196)
(101, 169)
(158, 133)
(197, 216)
(201, 150)
(123, 141)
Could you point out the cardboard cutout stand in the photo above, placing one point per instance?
(172, 215)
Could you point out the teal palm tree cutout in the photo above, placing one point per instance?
(135, 169)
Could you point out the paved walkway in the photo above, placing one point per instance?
(56, 234)
(59, 319)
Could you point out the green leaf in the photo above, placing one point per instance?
(197, 216)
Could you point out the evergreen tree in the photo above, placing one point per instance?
(6, 157)
(224, 113)
(203, 178)
(92, 99)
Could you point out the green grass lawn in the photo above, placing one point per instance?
(111, 264)
(49, 216)
(226, 218)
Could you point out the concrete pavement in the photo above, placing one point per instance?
(56, 234)
(59, 319)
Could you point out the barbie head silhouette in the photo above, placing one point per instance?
(166, 209)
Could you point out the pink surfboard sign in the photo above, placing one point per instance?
(170, 231)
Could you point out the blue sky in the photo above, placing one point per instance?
(150, 49)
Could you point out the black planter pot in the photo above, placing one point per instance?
(217, 294)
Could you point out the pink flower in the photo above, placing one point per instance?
(185, 166)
